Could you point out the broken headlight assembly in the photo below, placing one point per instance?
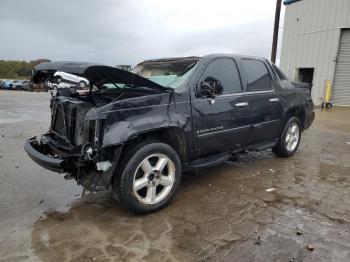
(91, 133)
(91, 149)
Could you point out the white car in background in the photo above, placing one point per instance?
(52, 85)
(60, 77)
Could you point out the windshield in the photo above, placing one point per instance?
(173, 81)
(168, 73)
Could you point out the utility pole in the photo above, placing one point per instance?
(275, 31)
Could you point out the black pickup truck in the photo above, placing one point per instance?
(139, 131)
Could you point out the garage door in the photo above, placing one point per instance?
(341, 86)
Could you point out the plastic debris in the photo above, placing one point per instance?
(310, 247)
(270, 189)
(258, 242)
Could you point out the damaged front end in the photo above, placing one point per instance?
(74, 143)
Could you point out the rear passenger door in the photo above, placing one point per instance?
(220, 123)
(264, 110)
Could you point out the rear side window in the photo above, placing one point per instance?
(258, 78)
(225, 70)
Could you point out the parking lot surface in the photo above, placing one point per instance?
(255, 208)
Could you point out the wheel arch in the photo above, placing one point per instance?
(297, 111)
(173, 136)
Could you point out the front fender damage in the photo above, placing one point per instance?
(96, 173)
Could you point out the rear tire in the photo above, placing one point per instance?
(290, 138)
(82, 84)
(149, 177)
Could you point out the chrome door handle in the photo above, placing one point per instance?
(274, 99)
(241, 104)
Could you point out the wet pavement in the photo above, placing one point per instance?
(255, 208)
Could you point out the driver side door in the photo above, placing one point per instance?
(219, 121)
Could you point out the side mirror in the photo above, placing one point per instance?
(206, 90)
(210, 87)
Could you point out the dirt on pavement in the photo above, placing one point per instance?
(255, 208)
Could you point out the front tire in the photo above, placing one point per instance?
(290, 138)
(149, 178)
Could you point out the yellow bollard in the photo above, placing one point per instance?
(328, 95)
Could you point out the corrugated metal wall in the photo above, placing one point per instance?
(341, 86)
(311, 36)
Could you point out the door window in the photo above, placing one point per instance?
(258, 78)
(225, 70)
(305, 75)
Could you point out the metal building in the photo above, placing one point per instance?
(316, 46)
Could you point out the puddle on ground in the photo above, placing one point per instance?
(223, 213)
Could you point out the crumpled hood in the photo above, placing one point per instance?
(93, 72)
(134, 103)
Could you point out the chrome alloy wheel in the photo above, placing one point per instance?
(154, 178)
(292, 137)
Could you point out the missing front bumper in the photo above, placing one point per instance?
(88, 173)
(39, 153)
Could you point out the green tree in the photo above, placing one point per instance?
(12, 69)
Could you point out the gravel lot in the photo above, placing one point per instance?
(224, 213)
